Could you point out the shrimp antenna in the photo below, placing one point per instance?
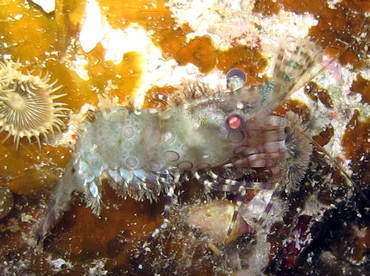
(337, 164)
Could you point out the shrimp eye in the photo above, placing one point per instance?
(236, 79)
(234, 122)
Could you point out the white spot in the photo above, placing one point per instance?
(92, 29)
(239, 105)
(58, 264)
(118, 42)
(93, 189)
(168, 137)
(332, 3)
(47, 5)
(97, 268)
(78, 65)
(137, 112)
(234, 21)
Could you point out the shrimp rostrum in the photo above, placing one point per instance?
(146, 152)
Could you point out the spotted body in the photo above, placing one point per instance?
(146, 152)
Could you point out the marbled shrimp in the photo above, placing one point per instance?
(148, 152)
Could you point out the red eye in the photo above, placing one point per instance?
(234, 122)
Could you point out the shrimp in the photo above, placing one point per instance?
(148, 152)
